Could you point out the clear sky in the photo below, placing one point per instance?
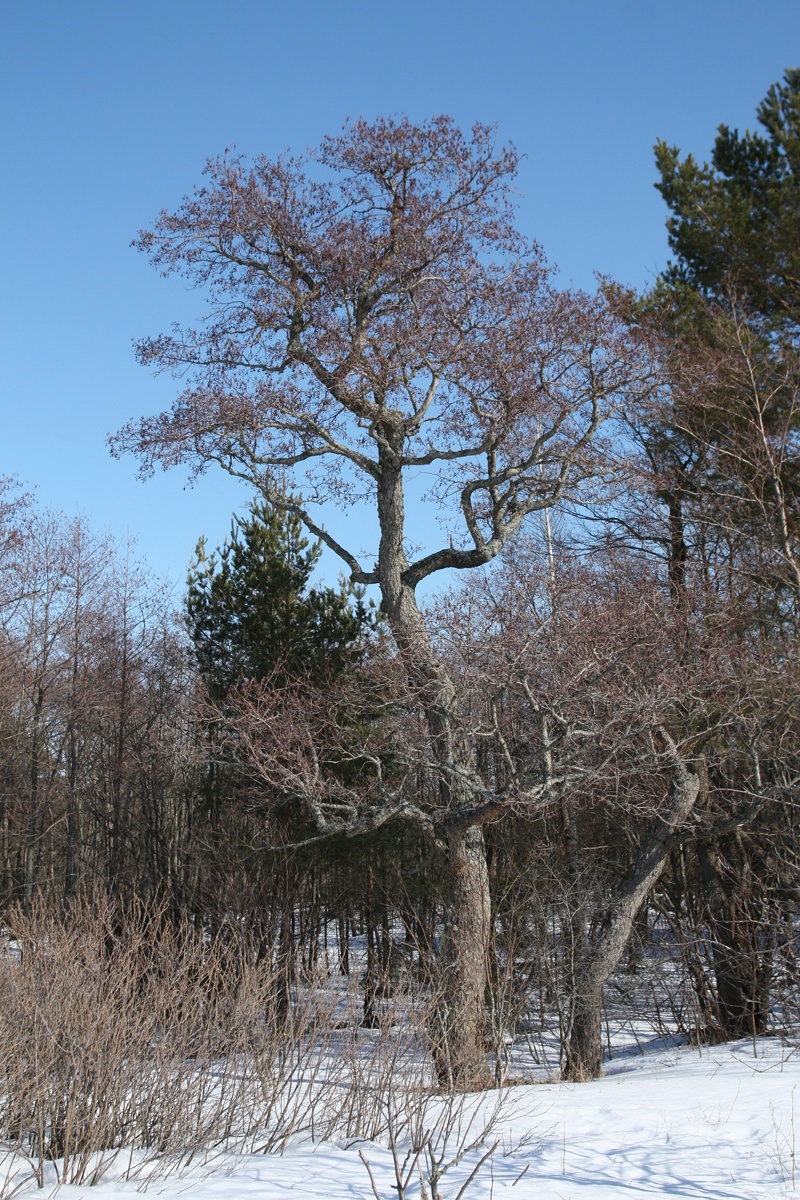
(109, 110)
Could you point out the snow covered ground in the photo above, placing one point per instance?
(717, 1123)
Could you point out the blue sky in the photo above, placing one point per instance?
(109, 110)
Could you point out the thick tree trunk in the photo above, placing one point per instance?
(460, 1036)
(584, 1058)
(458, 1032)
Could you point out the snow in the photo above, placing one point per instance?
(716, 1123)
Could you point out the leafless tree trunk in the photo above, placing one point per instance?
(605, 949)
(459, 1043)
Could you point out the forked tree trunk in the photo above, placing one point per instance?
(584, 1058)
(459, 1026)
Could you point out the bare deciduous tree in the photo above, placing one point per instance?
(376, 315)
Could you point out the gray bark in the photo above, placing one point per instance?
(459, 1036)
(584, 1058)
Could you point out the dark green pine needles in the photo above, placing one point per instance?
(252, 611)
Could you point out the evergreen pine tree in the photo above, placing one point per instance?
(725, 446)
(737, 219)
(252, 610)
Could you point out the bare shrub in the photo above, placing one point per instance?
(141, 1035)
(431, 1134)
(133, 1032)
(108, 1038)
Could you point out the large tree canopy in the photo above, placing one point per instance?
(373, 311)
